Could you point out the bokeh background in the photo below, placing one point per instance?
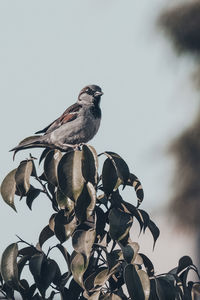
(50, 49)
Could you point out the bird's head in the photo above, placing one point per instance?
(91, 94)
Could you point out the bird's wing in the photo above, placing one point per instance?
(69, 115)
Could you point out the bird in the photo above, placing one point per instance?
(77, 125)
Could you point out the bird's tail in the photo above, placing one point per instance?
(30, 142)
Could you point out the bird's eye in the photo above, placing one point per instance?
(89, 91)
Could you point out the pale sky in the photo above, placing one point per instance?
(49, 50)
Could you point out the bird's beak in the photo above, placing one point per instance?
(97, 93)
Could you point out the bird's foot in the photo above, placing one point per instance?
(66, 147)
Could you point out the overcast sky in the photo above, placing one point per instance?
(49, 50)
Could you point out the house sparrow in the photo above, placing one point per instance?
(78, 124)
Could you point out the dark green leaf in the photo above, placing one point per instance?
(65, 254)
(43, 155)
(30, 251)
(8, 188)
(184, 262)
(21, 263)
(148, 265)
(133, 283)
(45, 234)
(165, 290)
(135, 213)
(49, 273)
(9, 270)
(51, 164)
(35, 266)
(145, 218)
(120, 166)
(113, 259)
(109, 177)
(101, 222)
(130, 251)
(70, 178)
(120, 224)
(75, 289)
(85, 203)
(31, 196)
(89, 164)
(64, 225)
(154, 230)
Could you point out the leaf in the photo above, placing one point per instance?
(43, 270)
(78, 267)
(30, 251)
(154, 230)
(130, 251)
(134, 181)
(82, 241)
(64, 225)
(50, 272)
(109, 177)
(164, 289)
(120, 165)
(183, 263)
(31, 196)
(35, 266)
(135, 212)
(145, 218)
(120, 224)
(196, 288)
(45, 234)
(113, 259)
(101, 277)
(144, 278)
(8, 188)
(70, 178)
(21, 263)
(133, 283)
(43, 155)
(65, 254)
(63, 201)
(51, 164)
(22, 176)
(101, 222)
(9, 270)
(148, 265)
(86, 202)
(89, 164)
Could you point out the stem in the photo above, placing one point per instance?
(22, 241)
(44, 190)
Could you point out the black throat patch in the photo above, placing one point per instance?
(95, 110)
